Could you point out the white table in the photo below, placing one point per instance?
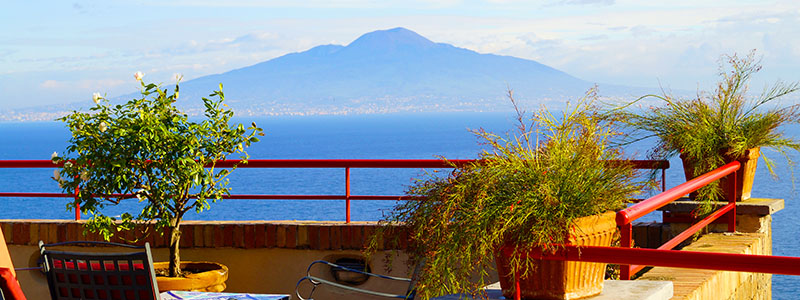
(175, 295)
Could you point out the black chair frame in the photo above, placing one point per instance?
(99, 275)
(316, 281)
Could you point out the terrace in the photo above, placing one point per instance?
(270, 256)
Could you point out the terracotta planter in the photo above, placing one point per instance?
(212, 279)
(565, 279)
(744, 176)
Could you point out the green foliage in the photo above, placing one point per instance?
(526, 190)
(147, 147)
(713, 128)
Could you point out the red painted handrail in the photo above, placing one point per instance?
(346, 164)
(330, 163)
(672, 258)
(626, 216)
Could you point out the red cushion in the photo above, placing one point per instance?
(10, 286)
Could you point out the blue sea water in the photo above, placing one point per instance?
(394, 136)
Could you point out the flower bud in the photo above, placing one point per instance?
(96, 98)
(138, 76)
(54, 157)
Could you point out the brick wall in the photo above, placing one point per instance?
(251, 234)
(209, 234)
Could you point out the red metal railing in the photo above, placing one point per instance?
(632, 260)
(627, 216)
(345, 164)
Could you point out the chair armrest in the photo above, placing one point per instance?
(333, 265)
(316, 281)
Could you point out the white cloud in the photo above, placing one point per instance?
(585, 2)
(83, 84)
(52, 84)
(624, 41)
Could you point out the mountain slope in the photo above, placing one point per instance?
(381, 70)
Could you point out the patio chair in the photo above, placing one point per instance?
(99, 274)
(317, 281)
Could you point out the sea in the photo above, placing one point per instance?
(389, 136)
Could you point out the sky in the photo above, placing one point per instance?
(56, 52)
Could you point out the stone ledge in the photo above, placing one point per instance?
(710, 284)
(752, 206)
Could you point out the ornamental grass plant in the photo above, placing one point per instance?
(526, 189)
(714, 127)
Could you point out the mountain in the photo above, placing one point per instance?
(394, 70)
(386, 71)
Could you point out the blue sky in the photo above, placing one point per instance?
(61, 52)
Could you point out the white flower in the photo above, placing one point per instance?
(96, 98)
(140, 194)
(178, 77)
(54, 157)
(103, 127)
(138, 76)
(67, 165)
(57, 177)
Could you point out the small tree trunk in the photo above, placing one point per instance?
(174, 251)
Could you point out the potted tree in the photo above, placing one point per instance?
(556, 180)
(148, 148)
(713, 129)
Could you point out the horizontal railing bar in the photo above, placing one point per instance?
(265, 197)
(39, 163)
(632, 213)
(785, 265)
(320, 197)
(346, 163)
(330, 163)
(288, 163)
(37, 195)
(236, 196)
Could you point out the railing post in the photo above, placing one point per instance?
(347, 194)
(732, 196)
(77, 204)
(626, 241)
(517, 291)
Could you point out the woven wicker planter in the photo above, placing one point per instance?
(212, 279)
(744, 176)
(565, 279)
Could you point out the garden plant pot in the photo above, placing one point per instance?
(208, 277)
(744, 176)
(565, 279)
